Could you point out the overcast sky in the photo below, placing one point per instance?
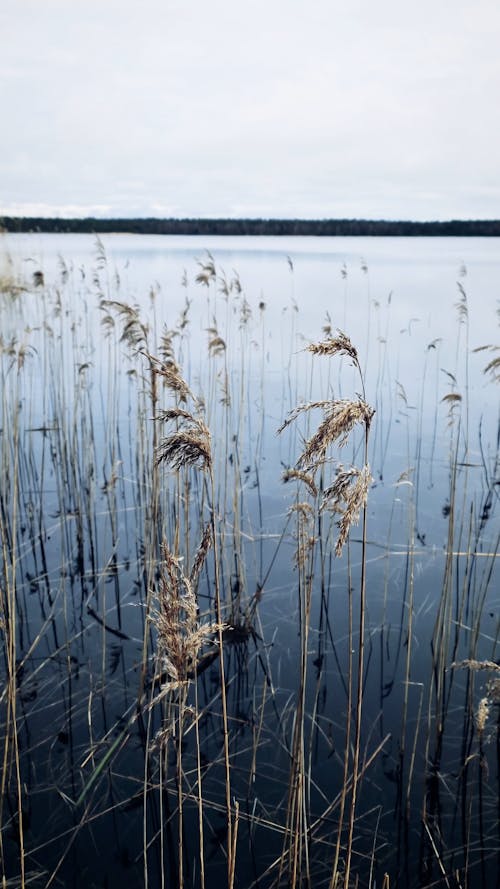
(284, 108)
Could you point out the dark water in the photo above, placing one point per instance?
(81, 535)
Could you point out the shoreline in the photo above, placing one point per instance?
(252, 227)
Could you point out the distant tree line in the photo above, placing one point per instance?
(317, 227)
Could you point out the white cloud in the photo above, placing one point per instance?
(55, 210)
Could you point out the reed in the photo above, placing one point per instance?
(222, 683)
(346, 495)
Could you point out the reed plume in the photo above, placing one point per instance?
(181, 634)
(170, 373)
(180, 637)
(335, 345)
(348, 495)
(305, 477)
(482, 713)
(340, 418)
(188, 445)
(493, 366)
(200, 556)
(207, 272)
(292, 416)
(216, 345)
(135, 333)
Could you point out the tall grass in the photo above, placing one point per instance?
(215, 678)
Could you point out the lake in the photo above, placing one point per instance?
(200, 683)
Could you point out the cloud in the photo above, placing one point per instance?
(55, 210)
(207, 107)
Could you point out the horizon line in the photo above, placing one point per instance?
(302, 219)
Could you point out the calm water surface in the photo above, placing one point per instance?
(416, 309)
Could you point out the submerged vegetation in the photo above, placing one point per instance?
(249, 620)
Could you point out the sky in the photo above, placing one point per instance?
(270, 108)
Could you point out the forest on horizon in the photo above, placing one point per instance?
(232, 226)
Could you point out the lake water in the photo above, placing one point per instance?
(101, 746)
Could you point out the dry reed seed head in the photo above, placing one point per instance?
(225, 285)
(493, 368)
(171, 569)
(311, 405)
(327, 326)
(183, 321)
(335, 494)
(9, 347)
(461, 305)
(200, 556)
(434, 343)
(108, 323)
(304, 509)
(236, 283)
(483, 711)
(180, 633)
(453, 400)
(335, 345)
(472, 664)
(23, 352)
(207, 271)
(167, 366)
(401, 392)
(305, 477)
(163, 736)
(305, 544)
(348, 495)
(135, 332)
(223, 380)
(166, 346)
(174, 382)
(175, 413)
(305, 540)
(493, 689)
(184, 418)
(245, 312)
(216, 345)
(185, 448)
(340, 419)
